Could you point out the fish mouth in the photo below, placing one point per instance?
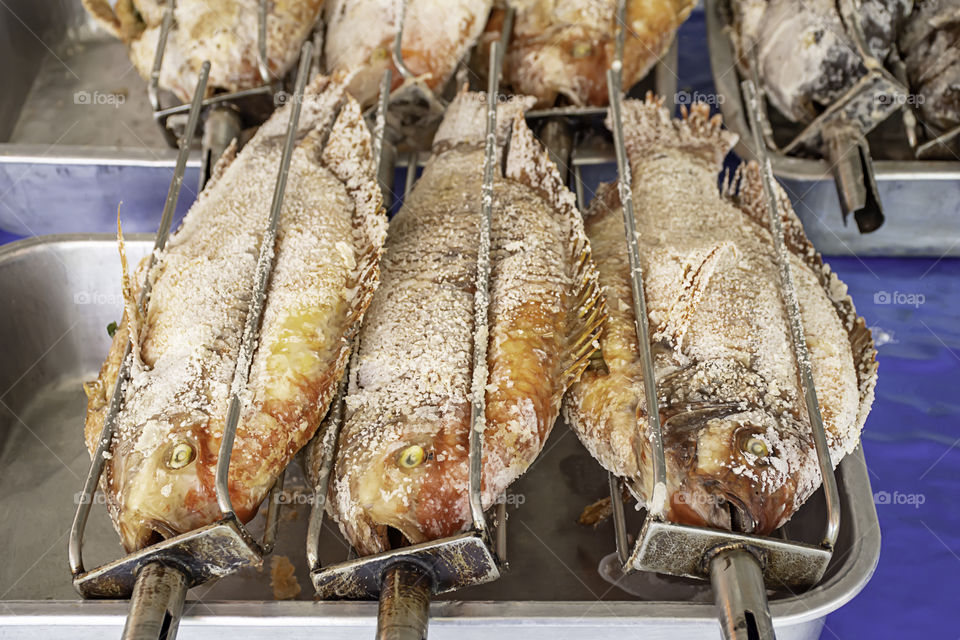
(741, 519)
(143, 532)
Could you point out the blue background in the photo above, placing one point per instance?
(912, 437)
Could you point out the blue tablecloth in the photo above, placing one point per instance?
(912, 438)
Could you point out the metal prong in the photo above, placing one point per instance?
(262, 61)
(619, 520)
(398, 44)
(156, 604)
(740, 596)
(220, 129)
(404, 611)
(264, 260)
(110, 422)
(153, 88)
(501, 539)
(666, 75)
(848, 153)
(830, 490)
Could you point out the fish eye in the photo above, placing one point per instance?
(755, 446)
(181, 454)
(412, 457)
(582, 50)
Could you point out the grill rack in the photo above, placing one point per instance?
(157, 577)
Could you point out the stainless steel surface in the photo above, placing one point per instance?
(741, 597)
(61, 292)
(848, 153)
(921, 198)
(156, 602)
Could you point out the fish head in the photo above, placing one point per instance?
(402, 488)
(735, 467)
(164, 475)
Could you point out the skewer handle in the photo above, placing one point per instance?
(849, 157)
(404, 603)
(740, 595)
(156, 604)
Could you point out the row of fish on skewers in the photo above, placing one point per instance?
(558, 47)
(402, 297)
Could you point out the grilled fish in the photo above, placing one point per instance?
(403, 453)
(436, 35)
(159, 474)
(221, 31)
(737, 439)
(564, 47)
(805, 55)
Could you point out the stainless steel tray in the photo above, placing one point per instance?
(77, 134)
(921, 198)
(60, 292)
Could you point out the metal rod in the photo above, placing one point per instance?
(264, 263)
(404, 611)
(398, 45)
(796, 325)
(740, 596)
(75, 551)
(153, 87)
(478, 418)
(331, 435)
(655, 505)
(215, 99)
(262, 61)
(848, 153)
(156, 604)
(221, 128)
(619, 520)
(500, 542)
(666, 75)
(272, 523)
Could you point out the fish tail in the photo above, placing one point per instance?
(530, 164)
(465, 121)
(649, 127)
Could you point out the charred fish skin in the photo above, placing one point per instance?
(224, 32)
(159, 477)
(436, 35)
(737, 439)
(806, 57)
(564, 47)
(403, 452)
(930, 43)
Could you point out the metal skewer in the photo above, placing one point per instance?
(157, 577)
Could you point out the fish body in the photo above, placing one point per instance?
(224, 32)
(436, 35)
(160, 468)
(737, 440)
(564, 47)
(402, 462)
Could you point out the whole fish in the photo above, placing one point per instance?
(225, 32)
(436, 35)
(402, 463)
(160, 468)
(564, 47)
(737, 439)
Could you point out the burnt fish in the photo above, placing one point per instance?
(159, 473)
(737, 439)
(401, 473)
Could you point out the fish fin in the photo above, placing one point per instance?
(465, 121)
(649, 127)
(123, 21)
(348, 154)
(530, 164)
(698, 269)
(745, 190)
(131, 309)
